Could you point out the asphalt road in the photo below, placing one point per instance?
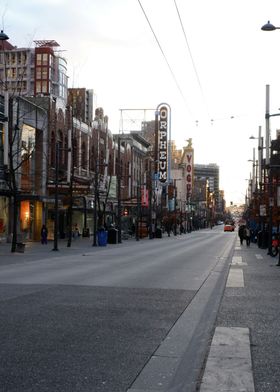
(92, 321)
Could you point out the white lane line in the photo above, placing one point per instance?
(235, 278)
(259, 257)
(237, 260)
(229, 364)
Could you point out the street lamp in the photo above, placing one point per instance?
(3, 36)
(269, 27)
(55, 247)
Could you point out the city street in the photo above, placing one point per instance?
(92, 320)
(140, 316)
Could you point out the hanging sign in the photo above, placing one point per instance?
(163, 129)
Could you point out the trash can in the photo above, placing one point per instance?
(102, 236)
(85, 232)
(20, 247)
(112, 235)
(158, 233)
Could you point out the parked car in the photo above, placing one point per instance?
(229, 227)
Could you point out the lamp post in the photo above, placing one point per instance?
(4, 37)
(269, 27)
(95, 202)
(55, 247)
(119, 175)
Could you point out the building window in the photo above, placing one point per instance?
(39, 73)
(84, 156)
(44, 73)
(39, 59)
(38, 87)
(44, 87)
(45, 59)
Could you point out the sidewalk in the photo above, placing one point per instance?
(34, 250)
(244, 354)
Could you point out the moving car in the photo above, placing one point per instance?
(229, 227)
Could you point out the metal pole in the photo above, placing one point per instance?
(175, 212)
(270, 213)
(267, 126)
(95, 202)
(119, 193)
(55, 247)
(138, 209)
(154, 183)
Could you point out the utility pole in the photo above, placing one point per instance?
(55, 247)
(119, 192)
(95, 202)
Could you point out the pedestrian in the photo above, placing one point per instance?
(44, 235)
(241, 233)
(247, 236)
(76, 232)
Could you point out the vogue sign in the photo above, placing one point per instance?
(163, 129)
(189, 174)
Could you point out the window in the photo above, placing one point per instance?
(44, 73)
(39, 59)
(39, 73)
(45, 59)
(44, 87)
(84, 156)
(38, 87)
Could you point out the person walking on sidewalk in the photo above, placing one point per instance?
(44, 235)
(247, 236)
(241, 233)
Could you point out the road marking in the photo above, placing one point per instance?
(229, 364)
(235, 278)
(237, 260)
(259, 257)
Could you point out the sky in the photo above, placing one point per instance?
(209, 60)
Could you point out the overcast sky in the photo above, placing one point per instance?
(212, 67)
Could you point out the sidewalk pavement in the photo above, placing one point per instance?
(34, 250)
(244, 354)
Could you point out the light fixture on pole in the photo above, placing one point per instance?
(55, 247)
(3, 36)
(269, 27)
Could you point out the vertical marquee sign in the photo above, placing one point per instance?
(162, 150)
(188, 160)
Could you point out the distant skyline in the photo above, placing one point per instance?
(209, 60)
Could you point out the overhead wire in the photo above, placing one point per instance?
(191, 56)
(165, 58)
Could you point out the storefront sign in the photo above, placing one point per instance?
(189, 177)
(163, 129)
